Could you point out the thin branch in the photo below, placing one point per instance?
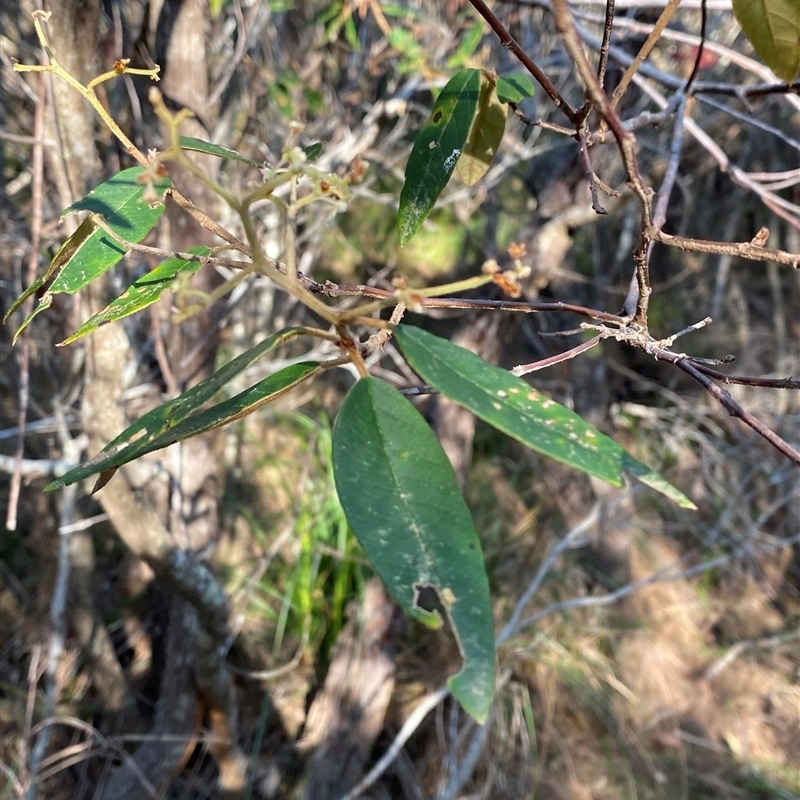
(587, 163)
(508, 41)
(624, 139)
(746, 380)
(700, 48)
(740, 249)
(650, 43)
(37, 168)
(572, 539)
(608, 23)
(672, 572)
(410, 726)
(58, 611)
(331, 289)
(524, 369)
(724, 398)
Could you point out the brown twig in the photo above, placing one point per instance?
(700, 48)
(508, 41)
(608, 23)
(740, 249)
(746, 380)
(650, 43)
(734, 409)
(524, 369)
(587, 163)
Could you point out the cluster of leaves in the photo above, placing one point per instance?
(396, 485)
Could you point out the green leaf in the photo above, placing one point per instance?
(437, 149)
(485, 134)
(199, 146)
(402, 500)
(514, 88)
(313, 151)
(90, 251)
(141, 293)
(524, 413)
(176, 419)
(773, 28)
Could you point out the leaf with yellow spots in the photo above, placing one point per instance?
(524, 413)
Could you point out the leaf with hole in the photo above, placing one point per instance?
(90, 251)
(141, 293)
(773, 28)
(485, 134)
(184, 416)
(402, 500)
(524, 413)
(437, 149)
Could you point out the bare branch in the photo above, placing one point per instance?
(508, 41)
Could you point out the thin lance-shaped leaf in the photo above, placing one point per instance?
(90, 251)
(437, 149)
(199, 146)
(141, 293)
(773, 28)
(524, 413)
(402, 500)
(514, 88)
(161, 421)
(485, 134)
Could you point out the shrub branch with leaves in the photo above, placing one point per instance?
(398, 490)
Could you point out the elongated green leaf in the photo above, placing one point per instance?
(402, 500)
(141, 293)
(469, 44)
(90, 251)
(184, 416)
(437, 149)
(514, 88)
(773, 28)
(485, 134)
(514, 407)
(199, 146)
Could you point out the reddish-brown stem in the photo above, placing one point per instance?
(508, 41)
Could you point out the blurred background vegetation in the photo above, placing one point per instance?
(688, 687)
